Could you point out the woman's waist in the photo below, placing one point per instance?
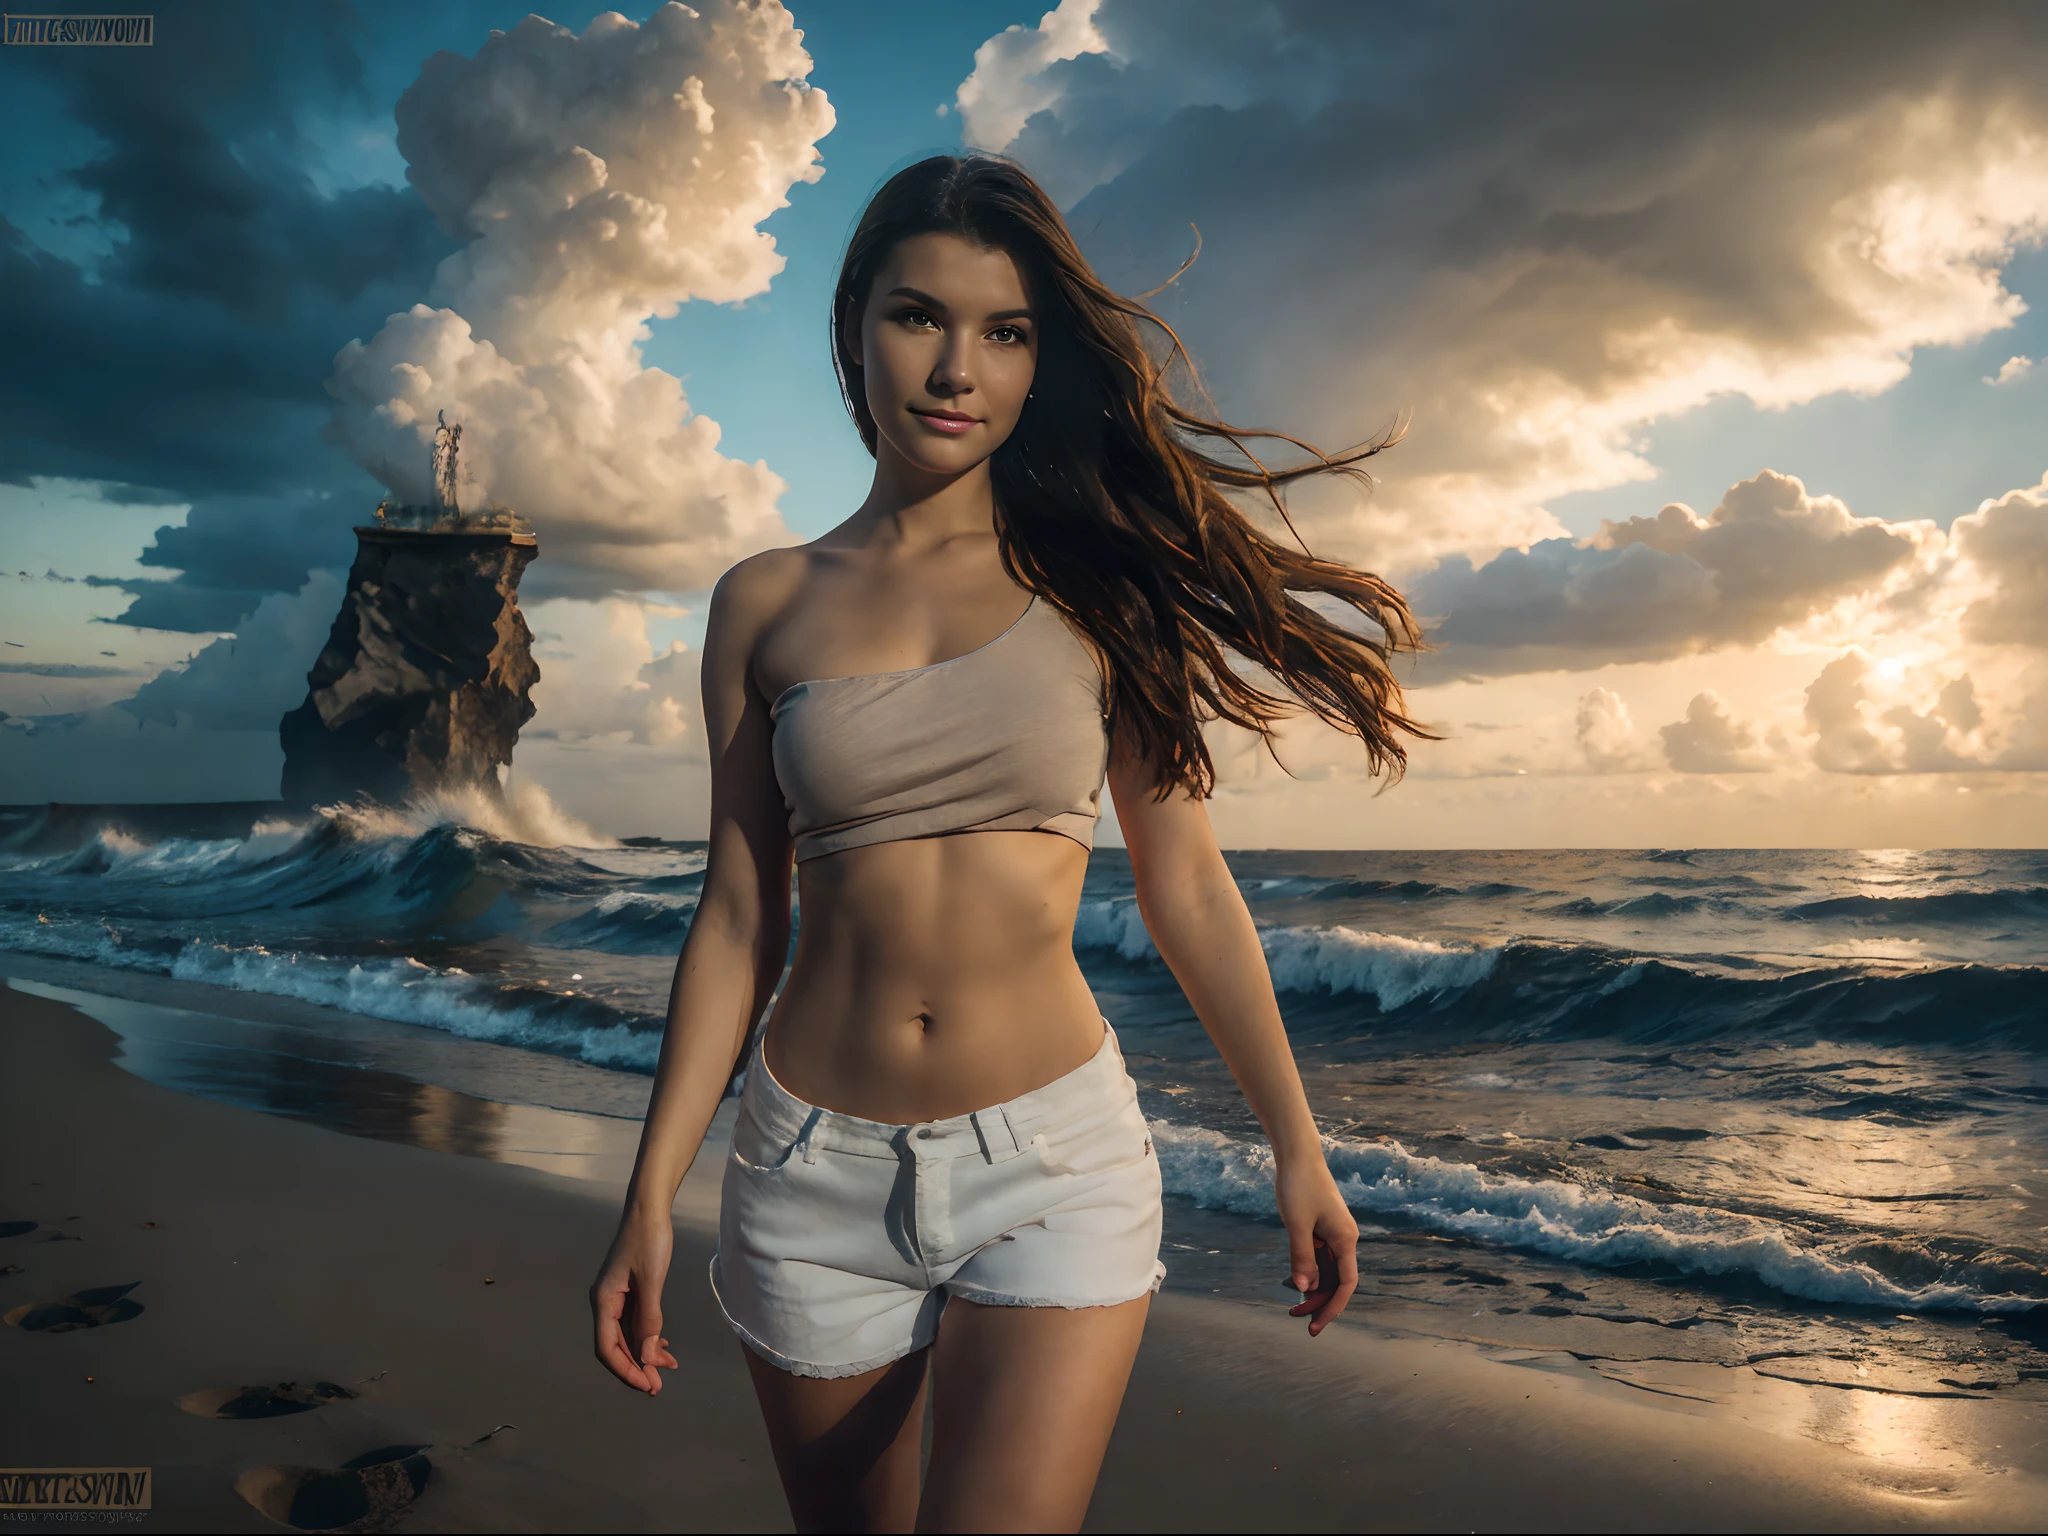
(900, 1047)
(1094, 1088)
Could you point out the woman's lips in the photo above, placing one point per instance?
(952, 425)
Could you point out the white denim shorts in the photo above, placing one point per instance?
(839, 1239)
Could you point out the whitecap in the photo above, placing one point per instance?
(1569, 1221)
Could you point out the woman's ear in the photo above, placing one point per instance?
(850, 331)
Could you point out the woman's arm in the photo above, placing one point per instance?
(727, 971)
(1197, 918)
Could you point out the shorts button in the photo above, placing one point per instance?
(924, 1133)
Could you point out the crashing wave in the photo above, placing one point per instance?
(402, 989)
(523, 813)
(1393, 970)
(1568, 1221)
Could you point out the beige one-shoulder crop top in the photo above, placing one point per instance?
(1010, 737)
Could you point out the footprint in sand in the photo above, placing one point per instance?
(261, 1402)
(95, 1308)
(43, 1234)
(367, 1493)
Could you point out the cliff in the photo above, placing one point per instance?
(423, 683)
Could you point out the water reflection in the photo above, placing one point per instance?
(263, 1067)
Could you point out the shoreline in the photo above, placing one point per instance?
(283, 1250)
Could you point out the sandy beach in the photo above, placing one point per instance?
(445, 1291)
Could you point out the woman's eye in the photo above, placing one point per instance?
(1008, 335)
(917, 317)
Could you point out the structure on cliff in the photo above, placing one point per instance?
(424, 680)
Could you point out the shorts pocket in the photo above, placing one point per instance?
(1097, 1145)
(756, 1149)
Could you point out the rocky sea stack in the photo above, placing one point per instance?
(424, 680)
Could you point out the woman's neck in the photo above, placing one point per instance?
(914, 508)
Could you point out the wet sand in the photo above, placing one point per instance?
(266, 1249)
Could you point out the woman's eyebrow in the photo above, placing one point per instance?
(919, 296)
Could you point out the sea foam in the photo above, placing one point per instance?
(1569, 1221)
(402, 989)
(1393, 970)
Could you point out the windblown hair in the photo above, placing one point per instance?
(1110, 504)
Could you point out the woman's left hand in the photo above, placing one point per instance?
(1322, 1240)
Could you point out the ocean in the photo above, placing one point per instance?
(1785, 1109)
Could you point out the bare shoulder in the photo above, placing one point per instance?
(752, 594)
(758, 586)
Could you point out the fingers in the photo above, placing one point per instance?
(606, 1307)
(1339, 1277)
(1335, 1280)
(1321, 1286)
(1301, 1255)
(653, 1350)
(612, 1353)
(652, 1354)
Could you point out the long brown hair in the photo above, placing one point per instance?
(1106, 507)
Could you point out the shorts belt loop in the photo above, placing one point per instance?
(998, 1137)
(1017, 1142)
(807, 1138)
(1116, 1047)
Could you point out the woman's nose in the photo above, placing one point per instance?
(952, 375)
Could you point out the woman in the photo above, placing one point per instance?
(939, 1167)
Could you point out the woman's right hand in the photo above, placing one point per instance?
(625, 1302)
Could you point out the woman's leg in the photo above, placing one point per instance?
(1027, 1397)
(847, 1448)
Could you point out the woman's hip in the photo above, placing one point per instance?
(909, 1198)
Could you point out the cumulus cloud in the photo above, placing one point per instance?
(203, 730)
(1539, 228)
(1855, 733)
(602, 680)
(1607, 733)
(1768, 555)
(247, 680)
(1009, 85)
(597, 180)
(1711, 740)
(2011, 371)
(1836, 713)
(2006, 544)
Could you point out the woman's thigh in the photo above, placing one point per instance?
(1026, 1400)
(847, 1448)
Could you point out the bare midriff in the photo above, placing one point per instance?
(934, 976)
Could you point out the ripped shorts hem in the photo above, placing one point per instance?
(795, 1367)
(987, 1298)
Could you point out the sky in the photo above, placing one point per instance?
(1719, 335)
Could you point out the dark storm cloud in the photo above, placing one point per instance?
(232, 551)
(64, 669)
(188, 363)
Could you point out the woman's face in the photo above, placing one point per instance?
(948, 343)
